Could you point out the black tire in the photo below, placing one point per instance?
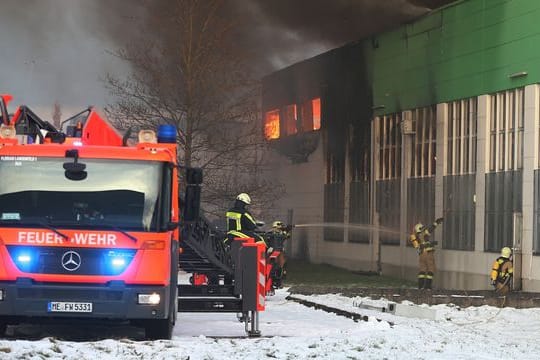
(159, 329)
(162, 329)
(3, 328)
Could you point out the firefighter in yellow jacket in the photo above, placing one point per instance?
(420, 239)
(502, 272)
(240, 222)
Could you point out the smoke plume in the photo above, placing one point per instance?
(59, 50)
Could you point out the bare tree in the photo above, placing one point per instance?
(192, 74)
(57, 114)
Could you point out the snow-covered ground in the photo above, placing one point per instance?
(293, 331)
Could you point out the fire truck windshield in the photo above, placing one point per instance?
(119, 193)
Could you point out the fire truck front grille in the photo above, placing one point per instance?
(69, 294)
(76, 261)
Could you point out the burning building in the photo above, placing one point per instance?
(436, 118)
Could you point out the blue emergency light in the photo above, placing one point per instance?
(166, 134)
(25, 259)
(118, 260)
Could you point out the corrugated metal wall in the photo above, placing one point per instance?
(388, 206)
(459, 212)
(503, 198)
(334, 200)
(359, 210)
(420, 201)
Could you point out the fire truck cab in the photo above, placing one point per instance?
(88, 225)
(90, 229)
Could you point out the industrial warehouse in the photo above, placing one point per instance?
(438, 118)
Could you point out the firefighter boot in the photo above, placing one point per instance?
(429, 280)
(421, 282)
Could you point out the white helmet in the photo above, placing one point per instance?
(243, 197)
(277, 224)
(418, 227)
(506, 252)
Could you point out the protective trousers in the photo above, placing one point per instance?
(426, 269)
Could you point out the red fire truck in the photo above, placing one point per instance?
(90, 228)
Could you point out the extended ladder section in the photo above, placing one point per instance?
(235, 275)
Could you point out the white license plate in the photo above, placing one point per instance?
(77, 307)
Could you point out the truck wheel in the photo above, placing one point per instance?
(159, 329)
(3, 328)
(163, 328)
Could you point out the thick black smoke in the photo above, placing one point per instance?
(59, 50)
(294, 30)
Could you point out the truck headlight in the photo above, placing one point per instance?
(149, 299)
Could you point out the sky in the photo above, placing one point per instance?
(61, 50)
(293, 331)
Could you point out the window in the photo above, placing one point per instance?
(311, 115)
(424, 122)
(316, 110)
(460, 168)
(307, 116)
(389, 146)
(130, 201)
(504, 180)
(335, 168)
(271, 124)
(461, 137)
(290, 117)
(506, 131)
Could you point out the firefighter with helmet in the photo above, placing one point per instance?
(502, 272)
(277, 237)
(240, 223)
(420, 239)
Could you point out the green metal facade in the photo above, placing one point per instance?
(468, 48)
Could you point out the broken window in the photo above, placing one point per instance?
(271, 125)
(316, 110)
(311, 115)
(307, 116)
(290, 117)
(423, 142)
(389, 147)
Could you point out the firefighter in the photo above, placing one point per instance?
(278, 235)
(420, 240)
(502, 272)
(240, 223)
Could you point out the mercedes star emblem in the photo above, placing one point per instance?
(71, 260)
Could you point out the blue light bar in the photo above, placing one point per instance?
(166, 134)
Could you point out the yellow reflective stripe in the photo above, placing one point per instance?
(236, 217)
(249, 217)
(237, 234)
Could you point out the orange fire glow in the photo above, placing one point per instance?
(316, 105)
(271, 125)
